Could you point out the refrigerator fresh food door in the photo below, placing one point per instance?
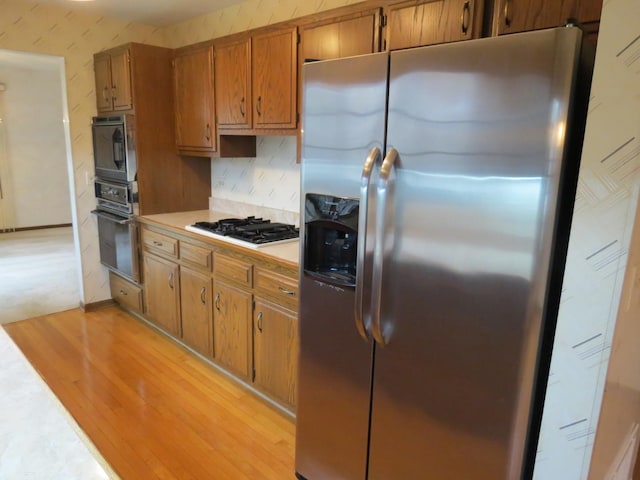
(475, 155)
(343, 122)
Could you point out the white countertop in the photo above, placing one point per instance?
(288, 252)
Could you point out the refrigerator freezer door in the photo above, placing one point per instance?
(480, 132)
(344, 119)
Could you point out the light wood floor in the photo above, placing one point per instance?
(152, 409)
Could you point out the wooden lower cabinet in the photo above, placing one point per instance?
(162, 293)
(126, 293)
(275, 351)
(232, 328)
(197, 310)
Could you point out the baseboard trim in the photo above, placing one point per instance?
(92, 307)
(38, 227)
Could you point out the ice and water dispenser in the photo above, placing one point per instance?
(331, 238)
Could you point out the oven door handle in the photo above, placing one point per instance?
(113, 218)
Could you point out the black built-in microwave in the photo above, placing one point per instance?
(114, 148)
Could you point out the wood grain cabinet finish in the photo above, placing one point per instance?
(162, 293)
(273, 75)
(232, 269)
(275, 351)
(418, 23)
(345, 36)
(196, 310)
(193, 74)
(159, 243)
(232, 328)
(512, 16)
(138, 79)
(113, 80)
(256, 82)
(281, 288)
(125, 293)
(233, 84)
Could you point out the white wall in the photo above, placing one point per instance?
(598, 249)
(35, 143)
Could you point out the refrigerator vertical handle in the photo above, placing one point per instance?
(385, 186)
(363, 318)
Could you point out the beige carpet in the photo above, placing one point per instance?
(38, 273)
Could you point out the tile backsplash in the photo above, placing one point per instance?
(270, 182)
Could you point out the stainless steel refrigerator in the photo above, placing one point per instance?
(437, 191)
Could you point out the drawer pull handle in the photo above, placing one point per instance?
(260, 322)
(287, 292)
(171, 281)
(217, 302)
(464, 19)
(507, 13)
(122, 292)
(202, 295)
(157, 244)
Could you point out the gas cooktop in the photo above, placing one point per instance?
(250, 232)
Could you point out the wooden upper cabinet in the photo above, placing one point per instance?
(121, 80)
(522, 15)
(346, 36)
(193, 74)
(419, 23)
(233, 84)
(274, 64)
(113, 80)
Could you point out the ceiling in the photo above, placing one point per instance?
(150, 12)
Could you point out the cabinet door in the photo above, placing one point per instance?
(197, 311)
(589, 11)
(194, 104)
(419, 23)
(344, 37)
(276, 351)
(232, 328)
(162, 293)
(121, 80)
(274, 57)
(102, 71)
(233, 85)
(523, 15)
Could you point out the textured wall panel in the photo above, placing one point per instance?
(598, 248)
(31, 27)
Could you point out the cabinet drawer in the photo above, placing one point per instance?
(232, 269)
(277, 285)
(157, 242)
(195, 256)
(127, 294)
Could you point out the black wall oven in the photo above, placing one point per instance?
(114, 148)
(117, 230)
